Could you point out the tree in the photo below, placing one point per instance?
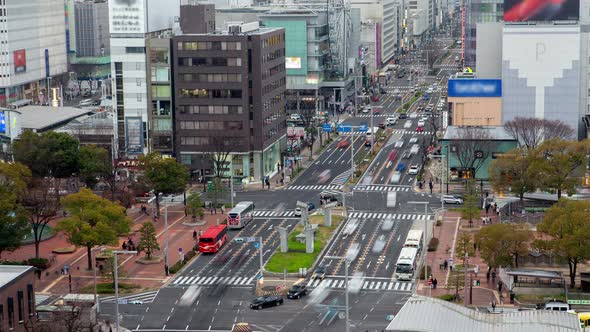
(512, 171)
(194, 206)
(108, 270)
(567, 223)
(220, 155)
(93, 221)
(558, 165)
(148, 242)
(471, 147)
(95, 165)
(307, 116)
(530, 132)
(13, 220)
(217, 191)
(502, 244)
(470, 208)
(163, 175)
(464, 247)
(65, 318)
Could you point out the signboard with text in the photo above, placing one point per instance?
(475, 88)
(20, 61)
(127, 16)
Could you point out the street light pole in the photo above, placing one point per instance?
(166, 266)
(231, 187)
(261, 259)
(94, 280)
(346, 266)
(115, 268)
(424, 249)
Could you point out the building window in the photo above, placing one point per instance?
(1, 314)
(161, 91)
(160, 74)
(10, 308)
(138, 81)
(30, 295)
(21, 306)
(135, 50)
(139, 97)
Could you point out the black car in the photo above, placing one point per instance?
(320, 273)
(402, 116)
(297, 291)
(265, 302)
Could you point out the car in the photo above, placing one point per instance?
(396, 177)
(450, 199)
(403, 116)
(324, 176)
(420, 108)
(387, 224)
(408, 124)
(398, 97)
(391, 120)
(382, 91)
(396, 91)
(439, 108)
(398, 144)
(413, 139)
(401, 167)
(297, 291)
(310, 207)
(415, 149)
(328, 197)
(413, 170)
(136, 302)
(295, 117)
(392, 155)
(421, 123)
(368, 142)
(343, 143)
(419, 129)
(353, 251)
(377, 111)
(431, 105)
(379, 244)
(365, 110)
(406, 155)
(319, 274)
(265, 302)
(413, 115)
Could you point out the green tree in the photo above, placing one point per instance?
(13, 218)
(567, 224)
(95, 165)
(512, 172)
(470, 208)
(163, 175)
(148, 242)
(502, 244)
(217, 191)
(93, 221)
(558, 165)
(464, 246)
(194, 206)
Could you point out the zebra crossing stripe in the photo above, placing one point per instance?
(378, 284)
(231, 281)
(250, 281)
(178, 280)
(244, 281)
(390, 286)
(341, 283)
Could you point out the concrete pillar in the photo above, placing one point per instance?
(308, 240)
(328, 217)
(257, 167)
(284, 234)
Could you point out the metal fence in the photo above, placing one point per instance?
(515, 212)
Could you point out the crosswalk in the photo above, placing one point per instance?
(396, 131)
(210, 281)
(146, 297)
(341, 179)
(316, 187)
(275, 214)
(369, 115)
(382, 188)
(394, 216)
(376, 285)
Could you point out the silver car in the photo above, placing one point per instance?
(449, 199)
(379, 244)
(398, 144)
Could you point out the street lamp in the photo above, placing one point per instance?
(94, 251)
(424, 249)
(443, 175)
(165, 237)
(346, 265)
(115, 254)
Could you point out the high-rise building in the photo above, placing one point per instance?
(33, 48)
(130, 25)
(229, 97)
(92, 29)
(478, 11)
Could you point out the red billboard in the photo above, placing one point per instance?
(20, 61)
(541, 10)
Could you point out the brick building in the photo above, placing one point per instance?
(17, 297)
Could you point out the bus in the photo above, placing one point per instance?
(213, 239)
(406, 263)
(240, 215)
(414, 239)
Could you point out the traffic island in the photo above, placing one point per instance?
(152, 260)
(296, 258)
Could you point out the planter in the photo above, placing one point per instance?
(64, 250)
(153, 260)
(197, 223)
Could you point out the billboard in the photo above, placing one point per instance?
(541, 10)
(20, 61)
(293, 62)
(2, 122)
(475, 88)
(134, 135)
(127, 16)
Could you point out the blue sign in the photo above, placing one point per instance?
(257, 245)
(2, 122)
(344, 128)
(258, 276)
(475, 88)
(363, 128)
(327, 128)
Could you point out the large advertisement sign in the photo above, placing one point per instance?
(134, 135)
(475, 88)
(292, 62)
(127, 16)
(20, 61)
(2, 122)
(541, 10)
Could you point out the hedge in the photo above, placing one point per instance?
(433, 244)
(447, 297)
(40, 263)
(187, 257)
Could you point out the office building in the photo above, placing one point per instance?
(33, 49)
(479, 11)
(474, 101)
(131, 24)
(229, 97)
(17, 297)
(92, 29)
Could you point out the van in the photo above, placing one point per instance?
(556, 306)
(328, 197)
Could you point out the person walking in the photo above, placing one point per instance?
(497, 210)
(487, 209)
(194, 234)
(434, 283)
(430, 185)
(446, 264)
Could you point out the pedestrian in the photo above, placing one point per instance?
(223, 209)
(214, 209)
(431, 186)
(474, 246)
(493, 276)
(498, 210)
(434, 283)
(487, 208)
(500, 287)
(124, 246)
(441, 265)
(494, 306)
(194, 234)
(446, 264)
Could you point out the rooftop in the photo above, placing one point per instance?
(445, 316)
(10, 272)
(495, 133)
(45, 117)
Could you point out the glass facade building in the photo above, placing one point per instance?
(479, 11)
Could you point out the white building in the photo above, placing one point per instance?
(32, 47)
(130, 23)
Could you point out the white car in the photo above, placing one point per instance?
(415, 149)
(413, 139)
(379, 244)
(449, 199)
(387, 225)
(413, 170)
(396, 177)
(366, 110)
(408, 124)
(353, 252)
(421, 123)
(396, 91)
(350, 227)
(391, 120)
(413, 115)
(398, 144)
(295, 117)
(424, 118)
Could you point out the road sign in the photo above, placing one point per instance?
(258, 276)
(327, 128)
(257, 245)
(344, 128)
(251, 239)
(122, 301)
(180, 250)
(363, 128)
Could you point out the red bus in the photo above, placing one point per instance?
(213, 239)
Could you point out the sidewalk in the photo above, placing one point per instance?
(145, 276)
(482, 295)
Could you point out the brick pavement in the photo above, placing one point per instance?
(146, 276)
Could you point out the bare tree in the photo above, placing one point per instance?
(220, 153)
(42, 206)
(64, 318)
(471, 146)
(530, 132)
(307, 116)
